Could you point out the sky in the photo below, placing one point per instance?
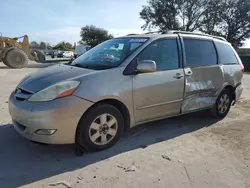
(54, 21)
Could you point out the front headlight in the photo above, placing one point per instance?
(58, 90)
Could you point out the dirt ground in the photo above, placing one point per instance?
(190, 151)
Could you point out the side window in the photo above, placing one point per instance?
(225, 53)
(199, 53)
(163, 52)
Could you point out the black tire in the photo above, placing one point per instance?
(15, 58)
(83, 130)
(40, 55)
(216, 113)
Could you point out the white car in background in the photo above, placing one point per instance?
(68, 54)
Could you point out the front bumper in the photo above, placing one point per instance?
(238, 92)
(61, 115)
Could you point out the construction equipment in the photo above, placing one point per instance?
(16, 54)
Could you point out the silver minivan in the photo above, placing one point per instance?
(124, 82)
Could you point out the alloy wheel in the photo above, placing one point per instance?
(224, 103)
(103, 129)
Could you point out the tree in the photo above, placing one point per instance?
(227, 18)
(34, 44)
(66, 46)
(161, 14)
(173, 14)
(191, 13)
(212, 18)
(42, 46)
(93, 36)
(49, 47)
(230, 19)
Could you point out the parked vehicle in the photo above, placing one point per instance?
(59, 54)
(68, 54)
(81, 49)
(50, 52)
(124, 82)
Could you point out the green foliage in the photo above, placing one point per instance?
(160, 13)
(93, 36)
(230, 19)
(65, 46)
(34, 44)
(227, 18)
(173, 14)
(49, 47)
(42, 46)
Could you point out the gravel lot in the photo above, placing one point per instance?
(200, 153)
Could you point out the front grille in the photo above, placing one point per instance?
(21, 94)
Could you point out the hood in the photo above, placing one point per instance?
(50, 76)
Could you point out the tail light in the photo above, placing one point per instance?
(242, 67)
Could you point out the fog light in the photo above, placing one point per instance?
(45, 131)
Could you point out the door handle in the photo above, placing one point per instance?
(178, 76)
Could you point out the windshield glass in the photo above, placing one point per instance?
(108, 54)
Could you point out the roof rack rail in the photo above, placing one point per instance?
(132, 34)
(192, 33)
(153, 32)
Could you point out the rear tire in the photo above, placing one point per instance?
(15, 58)
(100, 128)
(222, 105)
(40, 55)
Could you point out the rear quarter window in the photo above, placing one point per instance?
(225, 53)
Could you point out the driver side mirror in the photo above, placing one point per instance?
(146, 66)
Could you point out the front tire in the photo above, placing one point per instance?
(100, 128)
(15, 58)
(222, 105)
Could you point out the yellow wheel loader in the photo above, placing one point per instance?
(15, 54)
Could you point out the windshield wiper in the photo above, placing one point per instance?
(81, 66)
(93, 66)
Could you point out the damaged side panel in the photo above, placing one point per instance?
(202, 85)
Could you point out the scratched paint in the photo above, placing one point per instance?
(199, 85)
(199, 94)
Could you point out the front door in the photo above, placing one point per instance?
(160, 93)
(204, 77)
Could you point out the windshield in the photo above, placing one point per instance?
(108, 54)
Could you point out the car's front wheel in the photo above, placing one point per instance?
(100, 128)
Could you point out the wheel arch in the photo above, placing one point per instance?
(229, 89)
(119, 105)
(232, 91)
